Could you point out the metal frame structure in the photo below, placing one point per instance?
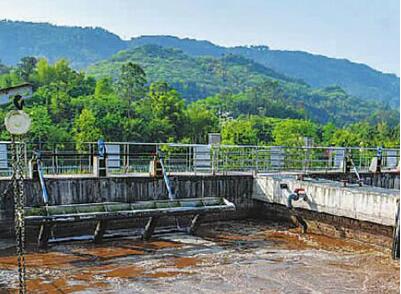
(133, 158)
(47, 216)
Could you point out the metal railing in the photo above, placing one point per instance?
(133, 158)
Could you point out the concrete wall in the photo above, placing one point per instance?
(327, 224)
(372, 204)
(70, 190)
(365, 213)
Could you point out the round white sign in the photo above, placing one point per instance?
(17, 122)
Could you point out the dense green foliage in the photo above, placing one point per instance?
(84, 46)
(254, 89)
(318, 71)
(69, 106)
(194, 78)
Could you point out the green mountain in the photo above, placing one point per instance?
(254, 87)
(85, 46)
(316, 70)
(81, 46)
(194, 77)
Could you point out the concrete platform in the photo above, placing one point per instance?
(366, 203)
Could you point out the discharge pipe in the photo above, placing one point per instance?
(170, 189)
(297, 194)
(37, 159)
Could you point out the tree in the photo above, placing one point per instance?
(26, 67)
(103, 87)
(344, 138)
(327, 133)
(10, 79)
(239, 132)
(131, 83)
(291, 132)
(163, 113)
(264, 128)
(43, 130)
(85, 129)
(200, 122)
(60, 105)
(44, 73)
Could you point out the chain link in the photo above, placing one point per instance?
(19, 203)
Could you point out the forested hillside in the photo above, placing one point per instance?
(235, 76)
(194, 78)
(316, 70)
(70, 106)
(81, 46)
(84, 46)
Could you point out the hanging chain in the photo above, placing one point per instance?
(19, 203)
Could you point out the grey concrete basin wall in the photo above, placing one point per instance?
(89, 189)
(366, 203)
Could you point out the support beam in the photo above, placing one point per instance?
(195, 223)
(395, 251)
(99, 231)
(44, 235)
(150, 228)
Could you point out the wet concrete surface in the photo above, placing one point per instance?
(227, 257)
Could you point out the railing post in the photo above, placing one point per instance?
(126, 158)
(257, 160)
(26, 159)
(212, 155)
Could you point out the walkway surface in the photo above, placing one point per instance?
(230, 257)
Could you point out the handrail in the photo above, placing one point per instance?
(134, 157)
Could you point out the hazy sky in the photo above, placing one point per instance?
(365, 31)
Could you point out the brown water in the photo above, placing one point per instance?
(229, 257)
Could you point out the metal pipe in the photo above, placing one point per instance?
(45, 195)
(292, 197)
(171, 194)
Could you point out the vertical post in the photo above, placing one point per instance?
(90, 159)
(257, 160)
(195, 160)
(127, 158)
(212, 150)
(53, 159)
(216, 159)
(99, 231)
(26, 160)
(395, 251)
(195, 224)
(44, 235)
(190, 161)
(150, 228)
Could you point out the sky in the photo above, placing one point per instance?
(365, 31)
